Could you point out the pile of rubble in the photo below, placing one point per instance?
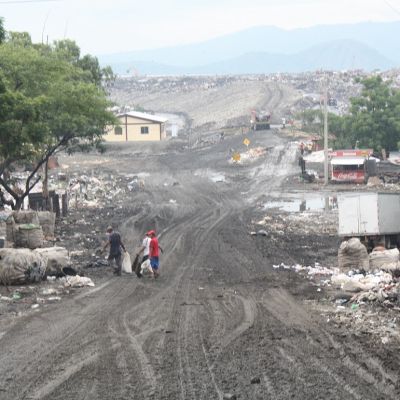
(305, 223)
(101, 190)
(250, 155)
(366, 298)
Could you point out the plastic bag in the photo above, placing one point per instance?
(126, 263)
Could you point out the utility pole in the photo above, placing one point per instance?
(326, 171)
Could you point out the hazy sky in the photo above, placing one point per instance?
(111, 26)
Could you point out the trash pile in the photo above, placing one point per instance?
(85, 191)
(95, 190)
(250, 155)
(25, 298)
(25, 266)
(364, 294)
(307, 223)
(375, 278)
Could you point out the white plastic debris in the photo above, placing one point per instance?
(54, 298)
(77, 281)
(49, 291)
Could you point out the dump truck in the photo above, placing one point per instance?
(260, 120)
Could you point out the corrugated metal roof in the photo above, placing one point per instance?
(141, 115)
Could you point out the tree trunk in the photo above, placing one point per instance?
(46, 181)
(18, 203)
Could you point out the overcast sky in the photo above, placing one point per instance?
(111, 26)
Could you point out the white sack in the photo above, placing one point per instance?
(19, 266)
(126, 263)
(57, 259)
(353, 255)
(78, 281)
(386, 260)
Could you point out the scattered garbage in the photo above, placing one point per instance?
(361, 292)
(317, 269)
(16, 296)
(78, 281)
(54, 298)
(49, 291)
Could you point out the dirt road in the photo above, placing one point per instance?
(220, 322)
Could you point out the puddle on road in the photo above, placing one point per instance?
(323, 203)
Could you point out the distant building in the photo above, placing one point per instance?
(350, 165)
(137, 127)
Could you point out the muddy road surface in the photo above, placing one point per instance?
(219, 322)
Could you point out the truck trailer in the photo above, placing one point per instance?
(373, 217)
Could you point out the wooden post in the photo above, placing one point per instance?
(56, 205)
(64, 204)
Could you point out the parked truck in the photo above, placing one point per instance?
(260, 120)
(373, 217)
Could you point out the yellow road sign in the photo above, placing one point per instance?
(236, 157)
(246, 142)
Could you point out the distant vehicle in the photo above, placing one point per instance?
(332, 102)
(260, 120)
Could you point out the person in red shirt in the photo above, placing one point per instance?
(154, 249)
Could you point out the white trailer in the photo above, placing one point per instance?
(369, 215)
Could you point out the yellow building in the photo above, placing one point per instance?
(137, 127)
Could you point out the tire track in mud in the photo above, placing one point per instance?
(52, 341)
(308, 358)
(189, 335)
(194, 368)
(144, 315)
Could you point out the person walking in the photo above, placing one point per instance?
(115, 243)
(154, 250)
(145, 249)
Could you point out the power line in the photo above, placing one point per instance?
(396, 10)
(26, 1)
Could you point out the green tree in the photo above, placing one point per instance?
(47, 104)
(374, 119)
(312, 121)
(2, 31)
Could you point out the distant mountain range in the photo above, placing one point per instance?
(368, 46)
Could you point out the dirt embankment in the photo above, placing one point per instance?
(210, 105)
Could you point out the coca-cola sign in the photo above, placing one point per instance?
(344, 176)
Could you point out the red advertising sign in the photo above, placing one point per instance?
(348, 176)
(351, 153)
